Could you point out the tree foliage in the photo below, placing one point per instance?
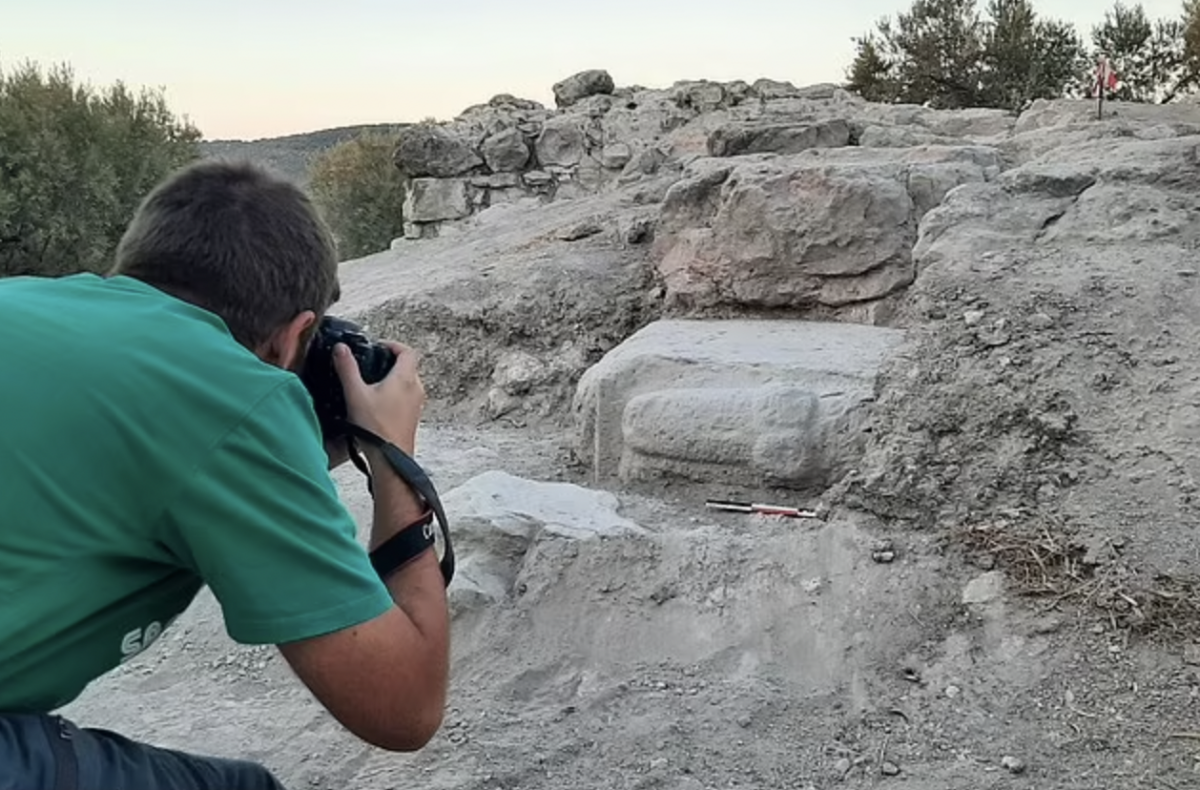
(1027, 58)
(931, 55)
(360, 193)
(944, 54)
(74, 164)
(1191, 42)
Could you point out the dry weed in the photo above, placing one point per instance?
(1045, 561)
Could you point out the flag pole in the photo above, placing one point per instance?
(1104, 77)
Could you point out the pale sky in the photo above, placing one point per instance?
(262, 68)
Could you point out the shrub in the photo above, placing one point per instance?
(74, 163)
(360, 192)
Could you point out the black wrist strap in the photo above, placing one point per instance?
(403, 547)
(416, 538)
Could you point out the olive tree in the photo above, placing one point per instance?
(74, 164)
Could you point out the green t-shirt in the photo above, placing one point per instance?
(144, 453)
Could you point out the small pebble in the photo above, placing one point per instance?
(842, 766)
(1014, 765)
(1041, 321)
(953, 691)
(889, 769)
(972, 317)
(883, 550)
(985, 562)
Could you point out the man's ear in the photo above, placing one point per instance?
(285, 347)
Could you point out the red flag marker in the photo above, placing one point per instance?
(1106, 80)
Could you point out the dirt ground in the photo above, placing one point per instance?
(716, 651)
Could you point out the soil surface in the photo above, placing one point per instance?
(715, 651)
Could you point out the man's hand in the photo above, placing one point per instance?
(390, 408)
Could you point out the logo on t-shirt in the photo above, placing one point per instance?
(137, 640)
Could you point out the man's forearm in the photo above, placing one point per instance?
(396, 504)
(418, 588)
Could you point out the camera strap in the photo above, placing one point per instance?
(416, 478)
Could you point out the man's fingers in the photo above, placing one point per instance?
(407, 357)
(402, 351)
(346, 367)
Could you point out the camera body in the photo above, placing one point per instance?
(321, 379)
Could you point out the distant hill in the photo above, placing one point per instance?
(290, 155)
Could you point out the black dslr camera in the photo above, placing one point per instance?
(321, 379)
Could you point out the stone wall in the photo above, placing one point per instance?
(764, 196)
(598, 137)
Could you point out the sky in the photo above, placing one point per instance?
(246, 69)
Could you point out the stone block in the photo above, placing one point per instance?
(436, 199)
(432, 151)
(582, 85)
(781, 138)
(732, 402)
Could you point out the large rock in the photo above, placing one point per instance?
(703, 95)
(779, 138)
(562, 142)
(497, 517)
(826, 228)
(428, 150)
(506, 151)
(580, 86)
(732, 402)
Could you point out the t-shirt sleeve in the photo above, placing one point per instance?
(261, 523)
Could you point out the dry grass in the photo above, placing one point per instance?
(1045, 562)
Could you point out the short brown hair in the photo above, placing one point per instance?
(236, 240)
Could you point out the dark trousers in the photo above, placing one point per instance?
(40, 752)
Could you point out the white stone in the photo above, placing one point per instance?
(495, 517)
(985, 588)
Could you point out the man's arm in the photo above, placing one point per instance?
(385, 680)
(261, 522)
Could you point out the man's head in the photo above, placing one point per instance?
(241, 243)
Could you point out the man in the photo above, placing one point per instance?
(155, 438)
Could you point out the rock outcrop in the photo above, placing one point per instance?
(1052, 377)
(1040, 268)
